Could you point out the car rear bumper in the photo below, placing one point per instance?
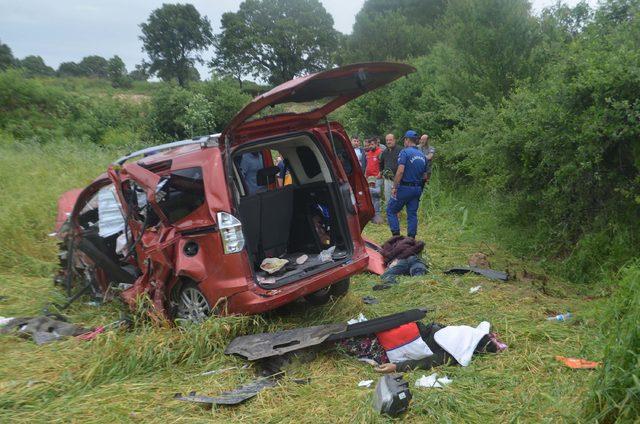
(259, 301)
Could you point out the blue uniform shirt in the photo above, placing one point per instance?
(250, 164)
(415, 164)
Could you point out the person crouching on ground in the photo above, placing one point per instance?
(407, 186)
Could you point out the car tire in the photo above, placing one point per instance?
(324, 295)
(191, 304)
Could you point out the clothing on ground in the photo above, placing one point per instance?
(400, 247)
(412, 266)
(404, 343)
(460, 341)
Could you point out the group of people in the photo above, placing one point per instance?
(399, 173)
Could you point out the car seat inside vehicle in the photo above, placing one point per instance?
(289, 222)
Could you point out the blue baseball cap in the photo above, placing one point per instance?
(411, 134)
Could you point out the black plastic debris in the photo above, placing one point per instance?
(489, 273)
(265, 345)
(392, 395)
(370, 300)
(231, 397)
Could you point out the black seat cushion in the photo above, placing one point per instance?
(276, 211)
(266, 221)
(266, 176)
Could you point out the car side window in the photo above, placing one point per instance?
(181, 193)
(309, 161)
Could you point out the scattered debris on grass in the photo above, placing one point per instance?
(392, 395)
(578, 363)
(370, 300)
(365, 383)
(432, 381)
(475, 289)
(231, 397)
(560, 317)
(488, 273)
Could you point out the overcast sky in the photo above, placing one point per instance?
(68, 30)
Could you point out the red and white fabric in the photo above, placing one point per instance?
(404, 343)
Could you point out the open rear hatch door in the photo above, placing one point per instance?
(324, 91)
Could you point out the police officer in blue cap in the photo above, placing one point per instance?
(407, 185)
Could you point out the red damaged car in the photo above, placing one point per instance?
(216, 224)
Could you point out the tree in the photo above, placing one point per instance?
(69, 69)
(230, 59)
(140, 73)
(172, 37)
(6, 57)
(34, 66)
(276, 40)
(117, 72)
(487, 46)
(94, 66)
(393, 29)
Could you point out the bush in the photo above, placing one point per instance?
(616, 390)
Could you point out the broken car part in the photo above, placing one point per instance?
(489, 273)
(392, 395)
(43, 329)
(265, 345)
(231, 397)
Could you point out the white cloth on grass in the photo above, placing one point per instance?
(461, 340)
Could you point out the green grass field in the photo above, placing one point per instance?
(131, 376)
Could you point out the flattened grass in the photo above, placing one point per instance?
(132, 375)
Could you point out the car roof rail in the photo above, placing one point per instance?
(204, 141)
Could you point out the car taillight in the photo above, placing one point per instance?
(231, 232)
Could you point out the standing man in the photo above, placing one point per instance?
(428, 152)
(389, 164)
(250, 164)
(362, 157)
(407, 185)
(373, 170)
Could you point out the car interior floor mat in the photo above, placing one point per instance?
(489, 273)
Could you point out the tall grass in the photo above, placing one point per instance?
(616, 393)
(32, 177)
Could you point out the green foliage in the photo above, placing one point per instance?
(69, 69)
(31, 109)
(391, 29)
(168, 106)
(6, 57)
(34, 66)
(117, 72)
(94, 66)
(564, 150)
(275, 40)
(616, 390)
(172, 37)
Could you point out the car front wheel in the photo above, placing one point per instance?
(333, 291)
